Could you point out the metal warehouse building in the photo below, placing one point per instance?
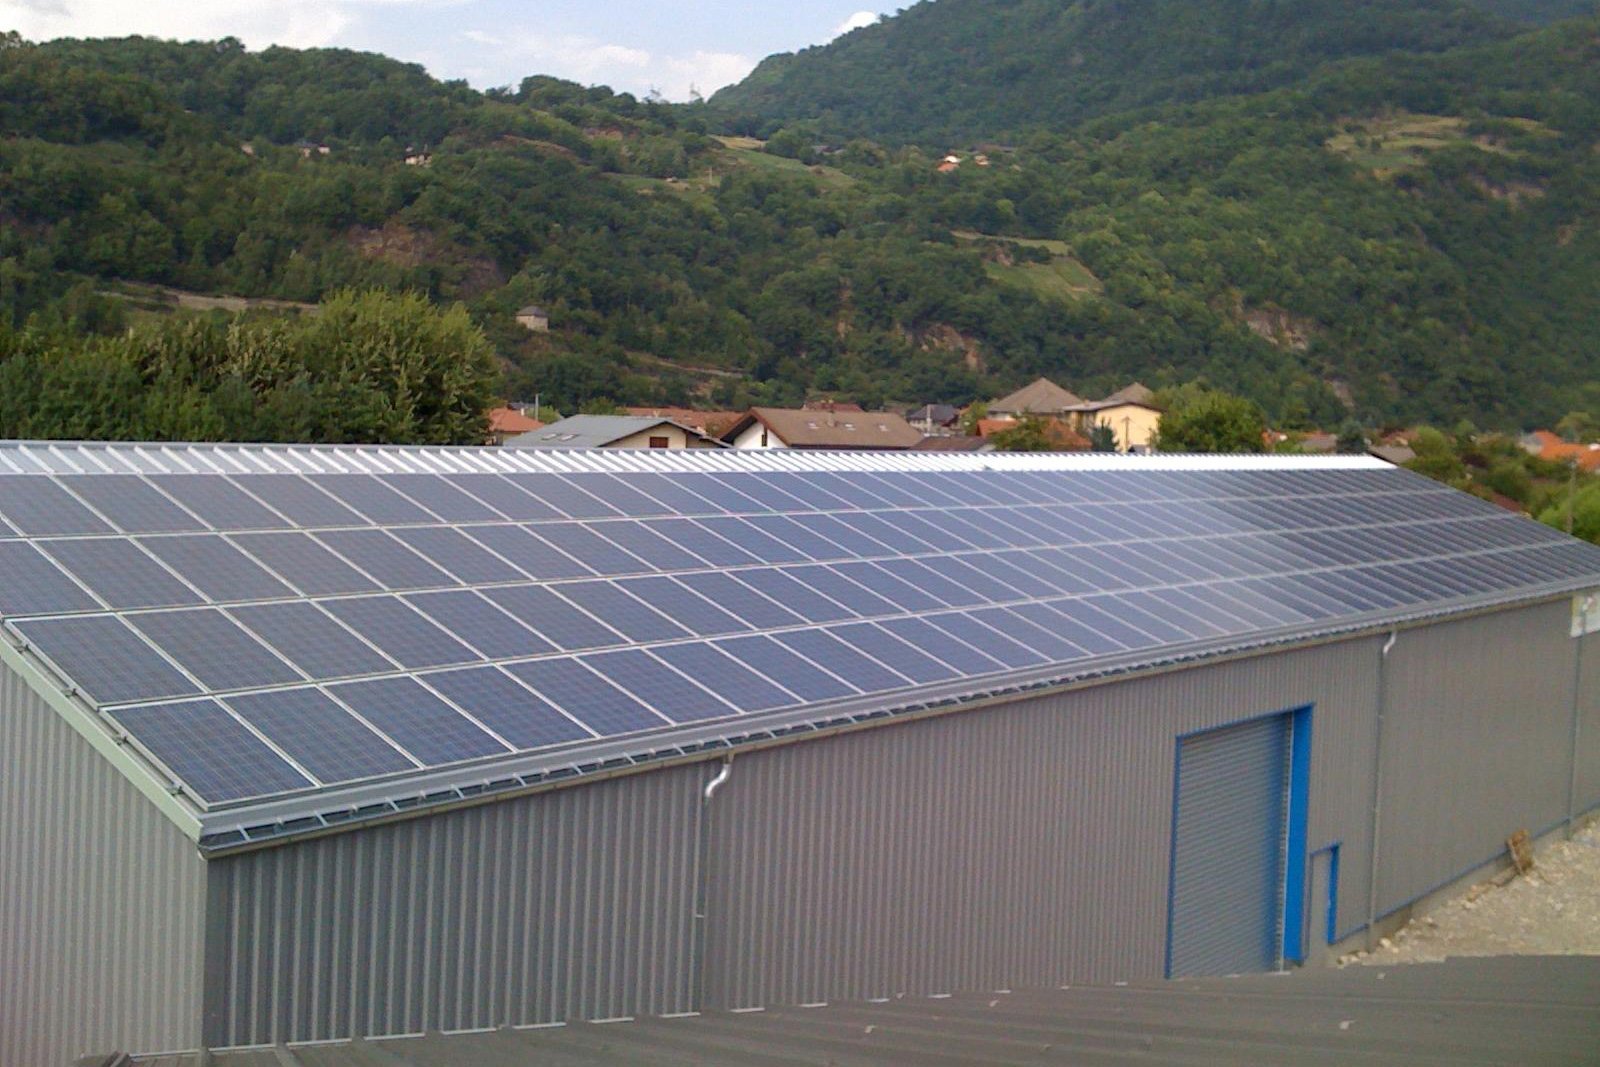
(306, 743)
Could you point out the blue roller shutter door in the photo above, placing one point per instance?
(1228, 850)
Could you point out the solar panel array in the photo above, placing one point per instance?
(260, 623)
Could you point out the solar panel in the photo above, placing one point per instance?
(860, 670)
(210, 751)
(587, 697)
(209, 646)
(320, 735)
(725, 676)
(633, 618)
(30, 584)
(590, 547)
(562, 495)
(507, 707)
(376, 501)
(311, 640)
(658, 686)
(449, 502)
(120, 574)
(221, 504)
(130, 502)
(561, 623)
(470, 615)
(404, 635)
(304, 563)
(220, 571)
(300, 502)
(40, 507)
(479, 623)
(383, 557)
(451, 551)
(105, 659)
(536, 557)
(418, 720)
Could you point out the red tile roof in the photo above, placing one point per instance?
(503, 421)
(1553, 448)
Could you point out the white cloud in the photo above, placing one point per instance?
(295, 23)
(859, 20)
(591, 62)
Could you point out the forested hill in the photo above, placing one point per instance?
(966, 69)
(1414, 235)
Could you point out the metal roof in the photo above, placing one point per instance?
(1523, 1010)
(274, 640)
(592, 431)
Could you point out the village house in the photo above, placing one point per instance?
(508, 422)
(534, 319)
(613, 431)
(787, 428)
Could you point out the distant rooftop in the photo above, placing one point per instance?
(593, 431)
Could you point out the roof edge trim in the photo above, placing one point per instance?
(92, 729)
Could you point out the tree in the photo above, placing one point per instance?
(1029, 435)
(1102, 438)
(1576, 427)
(1209, 420)
(1352, 439)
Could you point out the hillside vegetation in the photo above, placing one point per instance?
(965, 69)
(1414, 235)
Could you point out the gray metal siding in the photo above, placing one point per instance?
(101, 900)
(1021, 845)
(1588, 698)
(576, 904)
(1229, 840)
(1479, 712)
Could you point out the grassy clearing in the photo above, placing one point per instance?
(1389, 144)
(747, 152)
(1063, 278)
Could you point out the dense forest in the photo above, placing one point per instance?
(964, 69)
(1403, 225)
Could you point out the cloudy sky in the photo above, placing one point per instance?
(633, 45)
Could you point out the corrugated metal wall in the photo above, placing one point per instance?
(1480, 712)
(572, 904)
(1023, 845)
(101, 900)
(1588, 791)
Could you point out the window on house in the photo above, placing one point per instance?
(660, 442)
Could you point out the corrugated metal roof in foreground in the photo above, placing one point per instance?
(280, 639)
(1525, 1010)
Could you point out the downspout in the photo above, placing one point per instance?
(1577, 719)
(1377, 791)
(703, 882)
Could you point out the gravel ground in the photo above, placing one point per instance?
(1554, 910)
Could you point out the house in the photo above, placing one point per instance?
(534, 319)
(710, 423)
(613, 431)
(1552, 447)
(507, 422)
(1041, 397)
(931, 418)
(301, 745)
(787, 428)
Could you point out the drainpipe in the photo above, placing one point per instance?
(1377, 791)
(1577, 720)
(703, 881)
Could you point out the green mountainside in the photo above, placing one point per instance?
(1406, 235)
(964, 69)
